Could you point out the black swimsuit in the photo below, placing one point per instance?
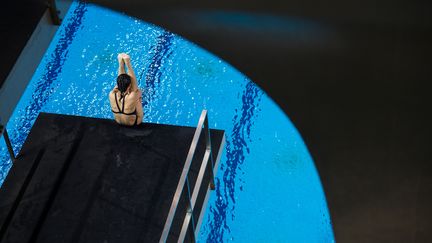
(122, 110)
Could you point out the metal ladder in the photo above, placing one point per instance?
(8, 143)
(208, 156)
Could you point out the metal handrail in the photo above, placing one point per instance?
(203, 122)
(189, 214)
(8, 144)
(54, 12)
(213, 171)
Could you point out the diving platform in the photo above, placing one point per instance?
(81, 179)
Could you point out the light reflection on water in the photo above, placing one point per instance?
(267, 181)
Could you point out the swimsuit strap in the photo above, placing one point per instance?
(121, 111)
(123, 105)
(118, 107)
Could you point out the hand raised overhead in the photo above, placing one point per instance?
(126, 57)
(120, 57)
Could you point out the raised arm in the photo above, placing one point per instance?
(121, 68)
(130, 72)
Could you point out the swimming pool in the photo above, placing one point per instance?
(268, 189)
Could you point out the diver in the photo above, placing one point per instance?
(126, 98)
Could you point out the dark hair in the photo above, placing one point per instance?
(123, 82)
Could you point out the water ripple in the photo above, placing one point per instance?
(236, 147)
(154, 70)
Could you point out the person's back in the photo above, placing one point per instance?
(125, 98)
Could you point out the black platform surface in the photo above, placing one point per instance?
(80, 179)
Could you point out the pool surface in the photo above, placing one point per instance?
(267, 187)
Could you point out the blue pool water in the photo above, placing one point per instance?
(268, 189)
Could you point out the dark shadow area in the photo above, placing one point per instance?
(18, 19)
(354, 77)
